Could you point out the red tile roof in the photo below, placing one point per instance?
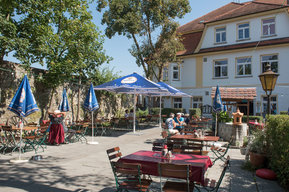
(190, 42)
(235, 93)
(246, 45)
(191, 39)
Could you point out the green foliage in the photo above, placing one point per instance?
(141, 20)
(140, 113)
(283, 112)
(196, 112)
(167, 111)
(245, 141)
(258, 144)
(277, 130)
(223, 117)
(252, 118)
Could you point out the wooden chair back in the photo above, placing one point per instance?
(173, 170)
(113, 154)
(128, 168)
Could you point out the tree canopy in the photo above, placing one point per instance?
(152, 27)
(57, 33)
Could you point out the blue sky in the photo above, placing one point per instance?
(117, 47)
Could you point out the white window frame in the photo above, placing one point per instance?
(248, 62)
(272, 103)
(222, 40)
(165, 74)
(269, 32)
(243, 30)
(177, 71)
(270, 61)
(222, 68)
(197, 100)
(178, 102)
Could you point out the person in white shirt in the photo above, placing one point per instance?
(171, 124)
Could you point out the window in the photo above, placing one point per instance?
(221, 68)
(243, 31)
(272, 60)
(178, 102)
(165, 74)
(273, 103)
(176, 72)
(268, 27)
(244, 66)
(197, 102)
(221, 35)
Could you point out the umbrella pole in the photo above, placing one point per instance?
(134, 109)
(160, 123)
(20, 124)
(92, 129)
(92, 132)
(216, 124)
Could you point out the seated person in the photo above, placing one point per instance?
(171, 124)
(180, 122)
(130, 113)
(126, 113)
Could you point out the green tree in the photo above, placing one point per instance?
(143, 21)
(9, 28)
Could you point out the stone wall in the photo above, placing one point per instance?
(11, 75)
(227, 130)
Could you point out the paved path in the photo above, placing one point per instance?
(80, 167)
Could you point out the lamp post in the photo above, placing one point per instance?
(268, 80)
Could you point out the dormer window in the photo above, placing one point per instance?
(268, 27)
(243, 31)
(221, 35)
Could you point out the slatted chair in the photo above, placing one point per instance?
(196, 149)
(211, 184)
(128, 177)
(181, 172)
(81, 131)
(220, 152)
(158, 145)
(113, 154)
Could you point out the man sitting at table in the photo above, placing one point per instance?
(180, 122)
(171, 124)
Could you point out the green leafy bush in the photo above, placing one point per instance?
(166, 111)
(252, 118)
(223, 117)
(140, 113)
(258, 144)
(277, 131)
(283, 112)
(195, 112)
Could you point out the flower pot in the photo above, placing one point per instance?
(243, 150)
(257, 159)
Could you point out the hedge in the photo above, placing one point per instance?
(283, 112)
(166, 111)
(252, 118)
(195, 112)
(277, 132)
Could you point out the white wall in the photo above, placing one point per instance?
(282, 30)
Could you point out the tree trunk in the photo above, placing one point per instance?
(78, 99)
(48, 108)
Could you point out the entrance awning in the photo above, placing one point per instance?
(235, 94)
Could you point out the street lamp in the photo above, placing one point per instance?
(268, 80)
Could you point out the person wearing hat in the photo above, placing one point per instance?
(180, 122)
(56, 132)
(171, 124)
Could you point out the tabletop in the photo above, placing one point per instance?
(191, 137)
(149, 162)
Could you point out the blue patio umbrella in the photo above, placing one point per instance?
(131, 84)
(218, 106)
(23, 104)
(172, 92)
(64, 106)
(91, 104)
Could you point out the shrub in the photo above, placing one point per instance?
(252, 118)
(195, 112)
(223, 117)
(283, 112)
(278, 139)
(141, 113)
(167, 111)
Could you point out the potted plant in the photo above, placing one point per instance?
(258, 149)
(244, 146)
